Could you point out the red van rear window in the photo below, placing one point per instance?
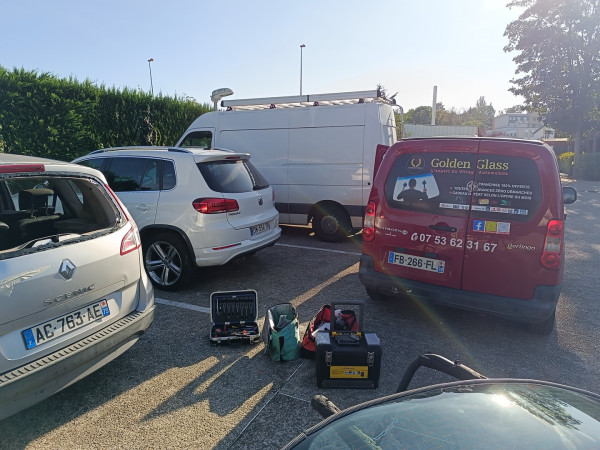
(456, 184)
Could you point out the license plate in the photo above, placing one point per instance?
(260, 228)
(417, 262)
(48, 331)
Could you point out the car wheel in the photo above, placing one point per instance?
(166, 261)
(544, 327)
(331, 223)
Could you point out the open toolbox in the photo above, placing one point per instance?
(234, 315)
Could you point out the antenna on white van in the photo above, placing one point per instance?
(218, 94)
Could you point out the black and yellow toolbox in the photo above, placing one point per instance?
(234, 315)
(347, 359)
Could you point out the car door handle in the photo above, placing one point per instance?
(442, 228)
(142, 207)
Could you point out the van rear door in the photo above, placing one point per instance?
(428, 193)
(511, 207)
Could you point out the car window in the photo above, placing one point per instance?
(125, 174)
(168, 175)
(150, 178)
(232, 176)
(201, 139)
(432, 182)
(94, 163)
(40, 209)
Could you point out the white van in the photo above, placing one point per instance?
(316, 151)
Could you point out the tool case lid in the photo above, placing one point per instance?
(234, 307)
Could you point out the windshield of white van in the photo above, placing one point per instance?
(200, 139)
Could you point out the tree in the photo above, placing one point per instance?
(514, 109)
(558, 45)
(421, 115)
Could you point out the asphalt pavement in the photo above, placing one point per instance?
(175, 389)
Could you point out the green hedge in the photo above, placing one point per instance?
(587, 167)
(565, 162)
(43, 115)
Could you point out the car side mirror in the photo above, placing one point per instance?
(569, 195)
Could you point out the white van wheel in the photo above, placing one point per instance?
(331, 223)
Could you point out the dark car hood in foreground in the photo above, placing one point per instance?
(467, 414)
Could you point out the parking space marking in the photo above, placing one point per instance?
(320, 249)
(162, 301)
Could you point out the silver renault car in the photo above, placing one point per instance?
(73, 291)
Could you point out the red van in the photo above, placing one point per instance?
(473, 223)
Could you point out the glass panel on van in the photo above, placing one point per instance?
(507, 188)
(202, 139)
(437, 183)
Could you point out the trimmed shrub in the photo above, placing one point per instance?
(63, 119)
(587, 167)
(565, 162)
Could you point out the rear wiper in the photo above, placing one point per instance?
(54, 239)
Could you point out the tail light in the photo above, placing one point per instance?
(18, 168)
(215, 205)
(369, 223)
(552, 254)
(131, 241)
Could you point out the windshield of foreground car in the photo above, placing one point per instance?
(483, 415)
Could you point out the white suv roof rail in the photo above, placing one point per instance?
(141, 148)
(340, 98)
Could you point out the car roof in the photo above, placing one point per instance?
(49, 165)
(197, 152)
(470, 138)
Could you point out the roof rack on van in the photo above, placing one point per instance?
(294, 101)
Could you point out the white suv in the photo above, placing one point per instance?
(73, 291)
(194, 207)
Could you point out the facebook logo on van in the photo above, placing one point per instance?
(479, 225)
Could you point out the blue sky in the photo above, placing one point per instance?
(254, 47)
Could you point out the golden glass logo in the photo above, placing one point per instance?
(415, 165)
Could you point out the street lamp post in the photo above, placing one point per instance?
(301, 47)
(150, 69)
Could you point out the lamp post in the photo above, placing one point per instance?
(150, 69)
(301, 47)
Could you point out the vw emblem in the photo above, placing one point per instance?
(67, 269)
(260, 201)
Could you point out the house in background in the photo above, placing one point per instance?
(524, 125)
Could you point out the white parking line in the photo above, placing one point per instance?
(202, 309)
(319, 249)
(162, 301)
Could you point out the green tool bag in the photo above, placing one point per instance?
(280, 333)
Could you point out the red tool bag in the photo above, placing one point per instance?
(345, 320)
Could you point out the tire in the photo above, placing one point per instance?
(331, 223)
(373, 294)
(544, 327)
(166, 261)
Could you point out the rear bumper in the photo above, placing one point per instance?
(206, 257)
(536, 309)
(33, 382)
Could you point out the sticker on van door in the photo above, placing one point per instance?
(415, 188)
